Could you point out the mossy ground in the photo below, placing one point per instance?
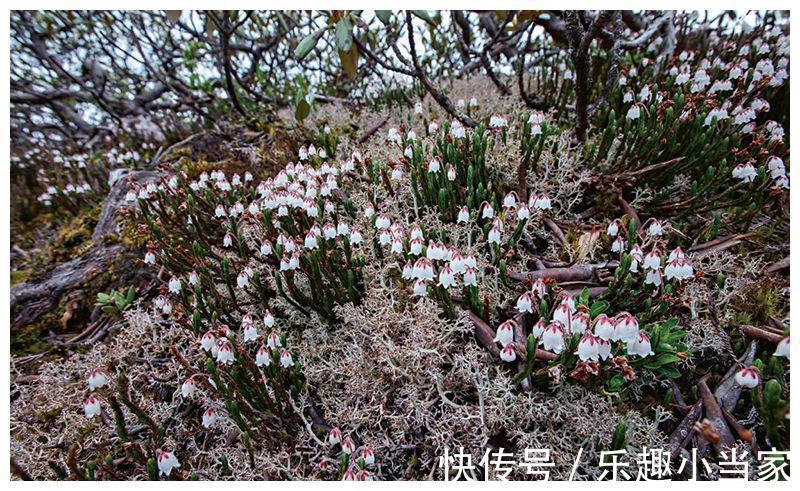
(69, 241)
(757, 303)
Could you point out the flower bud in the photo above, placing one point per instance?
(91, 407)
(524, 303)
(174, 284)
(603, 327)
(420, 289)
(224, 353)
(209, 418)
(508, 354)
(166, 462)
(553, 338)
(748, 377)
(463, 215)
(96, 379)
(368, 455)
(783, 348)
(470, 278)
(334, 436)
(505, 333)
(640, 345)
(539, 288)
(588, 348)
(446, 277)
(286, 358)
(348, 446)
(273, 340)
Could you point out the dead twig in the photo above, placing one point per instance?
(683, 433)
(629, 211)
(761, 334)
(437, 95)
(728, 391)
(578, 272)
(778, 265)
(372, 130)
(556, 230)
(718, 241)
(723, 440)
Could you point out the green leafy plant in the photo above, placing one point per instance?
(115, 303)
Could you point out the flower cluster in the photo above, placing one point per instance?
(704, 116)
(352, 463)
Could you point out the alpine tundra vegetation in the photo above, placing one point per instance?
(344, 245)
